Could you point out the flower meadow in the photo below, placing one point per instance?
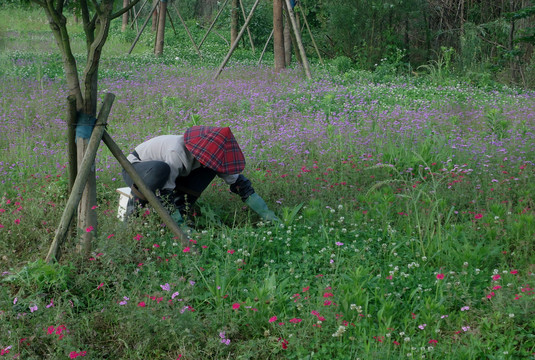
(407, 220)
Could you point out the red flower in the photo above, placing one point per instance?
(440, 276)
(236, 306)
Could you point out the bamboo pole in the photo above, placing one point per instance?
(171, 20)
(71, 139)
(297, 34)
(143, 28)
(187, 30)
(235, 45)
(265, 47)
(212, 24)
(248, 31)
(137, 15)
(149, 195)
(81, 180)
(313, 41)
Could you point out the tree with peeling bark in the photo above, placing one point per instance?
(96, 17)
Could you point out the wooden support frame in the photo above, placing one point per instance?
(187, 31)
(235, 45)
(248, 31)
(99, 133)
(297, 34)
(212, 24)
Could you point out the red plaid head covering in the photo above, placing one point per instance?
(215, 148)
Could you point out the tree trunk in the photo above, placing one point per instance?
(234, 16)
(278, 36)
(125, 16)
(287, 41)
(158, 50)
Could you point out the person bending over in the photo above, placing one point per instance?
(182, 166)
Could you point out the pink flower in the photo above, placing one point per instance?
(236, 306)
(478, 216)
(295, 320)
(138, 237)
(186, 249)
(50, 330)
(514, 272)
(496, 277)
(305, 289)
(33, 308)
(497, 287)
(433, 342)
(440, 276)
(141, 304)
(272, 319)
(231, 251)
(327, 302)
(100, 285)
(110, 236)
(17, 221)
(88, 229)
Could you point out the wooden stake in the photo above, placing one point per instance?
(187, 30)
(297, 33)
(248, 31)
(137, 15)
(313, 41)
(143, 28)
(71, 139)
(149, 195)
(171, 20)
(81, 180)
(213, 23)
(265, 47)
(235, 45)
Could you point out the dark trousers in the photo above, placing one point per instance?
(188, 189)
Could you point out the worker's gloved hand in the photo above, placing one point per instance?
(177, 217)
(258, 205)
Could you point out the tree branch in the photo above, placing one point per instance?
(97, 6)
(123, 10)
(59, 6)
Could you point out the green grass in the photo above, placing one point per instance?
(394, 244)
